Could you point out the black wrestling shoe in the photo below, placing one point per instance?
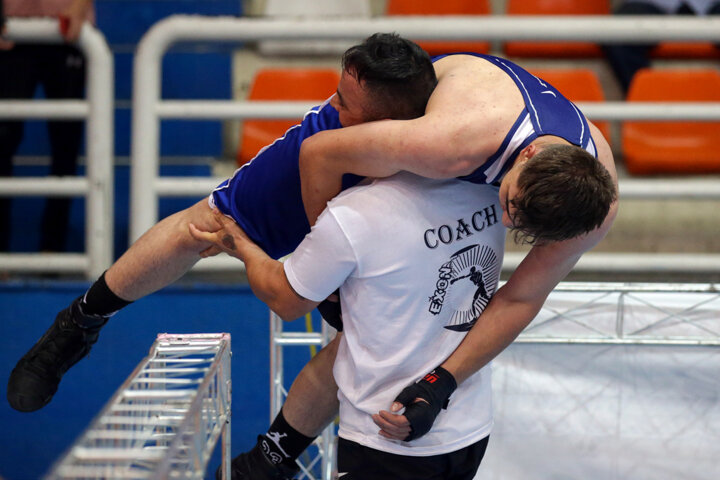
(35, 378)
(255, 465)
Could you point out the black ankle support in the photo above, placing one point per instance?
(100, 300)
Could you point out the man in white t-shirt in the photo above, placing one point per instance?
(417, 261)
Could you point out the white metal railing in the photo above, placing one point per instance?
(149, 108)
(164, 420)
(321, 465)
(97, 185)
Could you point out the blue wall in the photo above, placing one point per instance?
(31, 442)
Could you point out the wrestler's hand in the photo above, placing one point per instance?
(423, 401)
(227, 237)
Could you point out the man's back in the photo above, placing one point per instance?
(421, 259)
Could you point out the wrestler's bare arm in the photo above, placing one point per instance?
(515, 304)
(464, 124)
(266, 276)
(376, 149)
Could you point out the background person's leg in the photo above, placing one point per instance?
(626, 59)
(63, 78)
(20, 85)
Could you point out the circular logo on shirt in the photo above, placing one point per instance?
(477, 265)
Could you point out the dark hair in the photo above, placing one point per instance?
(396, 72)
(563, 192)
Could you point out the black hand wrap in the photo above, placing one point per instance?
(435, 388)
(331, 312)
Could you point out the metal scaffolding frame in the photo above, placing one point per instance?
(628, 313)
(325, 443)
(164, 420)
(574, 313)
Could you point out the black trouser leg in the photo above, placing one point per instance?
(18, 80)
(64, 78)
(626, 59)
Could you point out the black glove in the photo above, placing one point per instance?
(435, 388)
(331, 312)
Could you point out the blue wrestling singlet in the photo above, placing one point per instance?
(263, 196)
(547, 112)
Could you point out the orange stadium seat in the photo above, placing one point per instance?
(682, 50)
(282, 84)
(555, 7)
(443, 7)
(578, 85)
(673, 147)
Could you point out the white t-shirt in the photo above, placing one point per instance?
(417, 260)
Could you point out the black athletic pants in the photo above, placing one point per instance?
(627, 59)
(60, 69)
(357, 462)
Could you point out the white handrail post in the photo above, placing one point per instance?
(100, 134)
(97, 184)
(144, 153)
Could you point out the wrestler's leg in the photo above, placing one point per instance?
(161, 256)
(310, 406)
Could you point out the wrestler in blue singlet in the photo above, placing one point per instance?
(547, 112)
(264, 195)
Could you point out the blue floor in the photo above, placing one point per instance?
(31, 442)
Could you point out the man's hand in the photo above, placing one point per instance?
(228, 237)
(423, 401)
(4, 43)
(392, 425)
(72, 19)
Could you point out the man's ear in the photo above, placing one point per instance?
(527, 153)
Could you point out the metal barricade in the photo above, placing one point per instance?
(325, 443)
(164, 420)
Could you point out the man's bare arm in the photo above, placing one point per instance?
(511, 309)
(266, 276)
(514, 305)
(380, 149)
